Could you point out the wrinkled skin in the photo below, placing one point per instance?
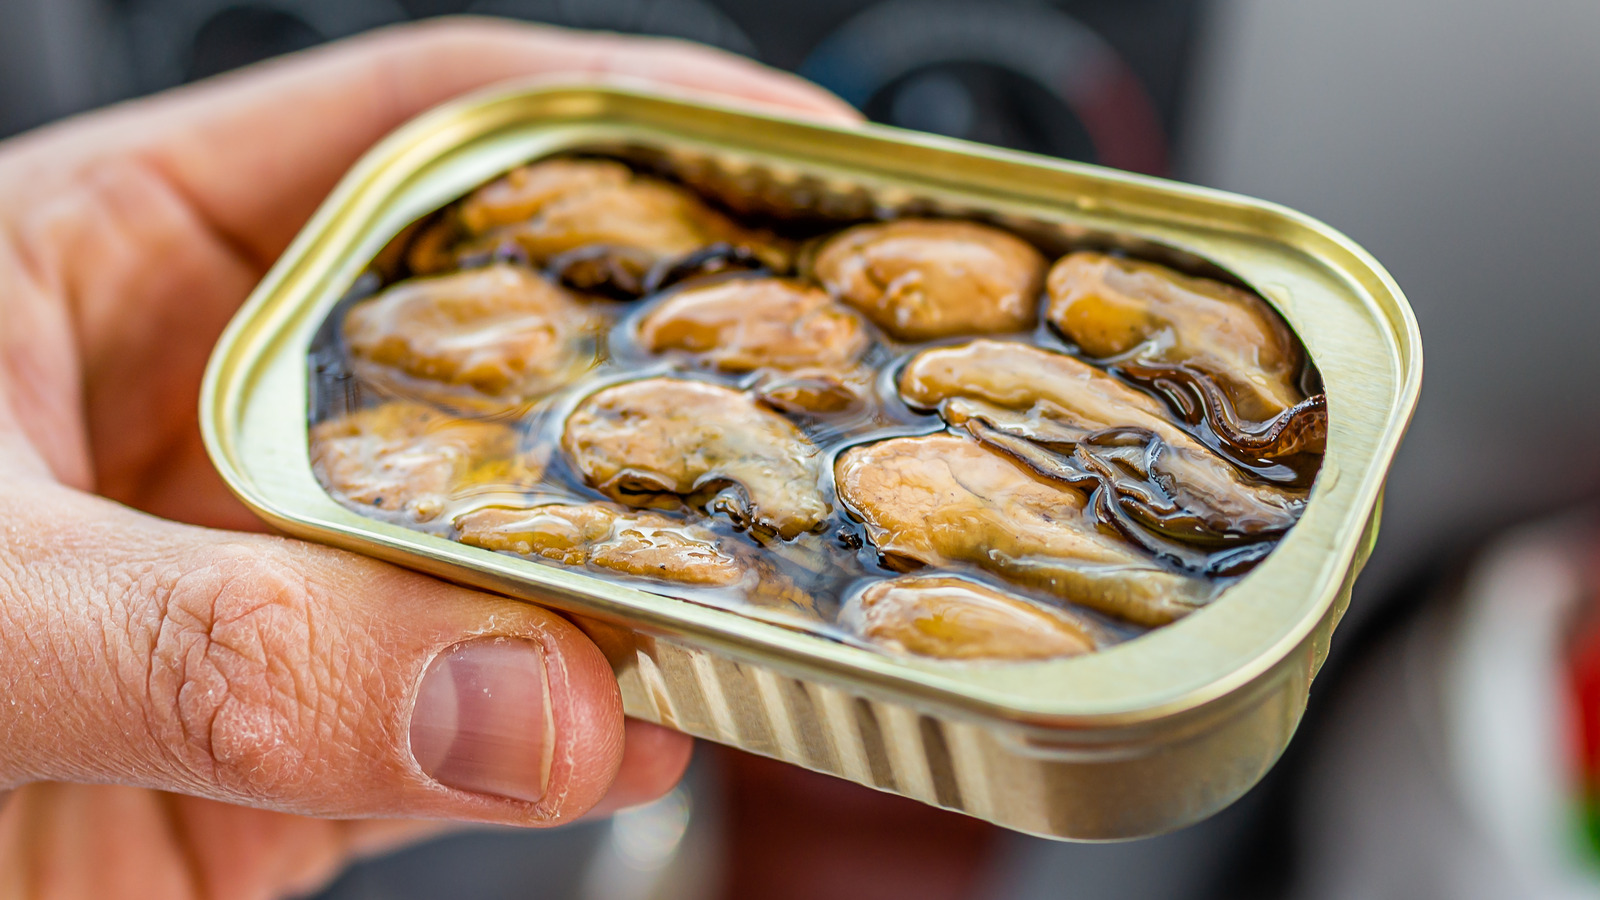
(628, 223)
(943, 500)
(806, 344)
(408, 458)
(1055, 400)
(671, 440)
(496, 337)
(952, 618)
(1131, 310)
(922, 279)
(194, 709)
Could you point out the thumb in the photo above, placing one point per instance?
(273, 673)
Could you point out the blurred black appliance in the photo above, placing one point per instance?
(1097, 80)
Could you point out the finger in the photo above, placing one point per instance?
(255, 151)
(653, 760)
(157, 844)
(377, 837)
(261, 848)
(277, 674)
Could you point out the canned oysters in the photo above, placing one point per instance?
(483, 396)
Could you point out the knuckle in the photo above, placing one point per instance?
(234, 672)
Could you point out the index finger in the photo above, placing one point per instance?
(254, 152)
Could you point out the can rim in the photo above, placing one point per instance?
(1331, 287)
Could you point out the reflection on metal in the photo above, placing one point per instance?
(692, 20)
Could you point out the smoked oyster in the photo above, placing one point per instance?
(945, 617)
(879, 444)
(944, 500)
(485, 339)
(806, 345)
(598, 224)
(1075, 417)
(1222, 343)
(671, 441)
(412, 459)
(922, 279)
(639, 544)
(744, 324)
(646, 544)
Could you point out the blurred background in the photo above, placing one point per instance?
(1458, 140)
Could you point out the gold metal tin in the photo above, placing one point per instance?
(1145, 737)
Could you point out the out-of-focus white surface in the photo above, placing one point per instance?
(1507, 713)
(1444, 774)
(1459, 141)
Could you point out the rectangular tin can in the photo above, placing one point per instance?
(1146, 737)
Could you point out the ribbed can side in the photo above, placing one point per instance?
(1171, 729)
(1059, 784)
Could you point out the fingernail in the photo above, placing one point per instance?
(481, 721)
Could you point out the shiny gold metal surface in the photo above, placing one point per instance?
(1148, 736)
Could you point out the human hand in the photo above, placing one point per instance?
(188, 705)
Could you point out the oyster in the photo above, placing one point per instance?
(645, 544)
(1219, 341)
(922, 279)
(488, 339)
(953, 618)
(737, 437)
(640, 544)
(807, 345)
(670, 441)
(943, 500)
(413, 459)
(744, 324)
(1060, 405)
(600, 225)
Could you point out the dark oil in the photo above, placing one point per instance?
(836, 560)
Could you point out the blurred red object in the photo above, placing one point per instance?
(1583, 673)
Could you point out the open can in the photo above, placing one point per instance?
(1145, 737)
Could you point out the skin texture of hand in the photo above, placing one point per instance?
(192, 709)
